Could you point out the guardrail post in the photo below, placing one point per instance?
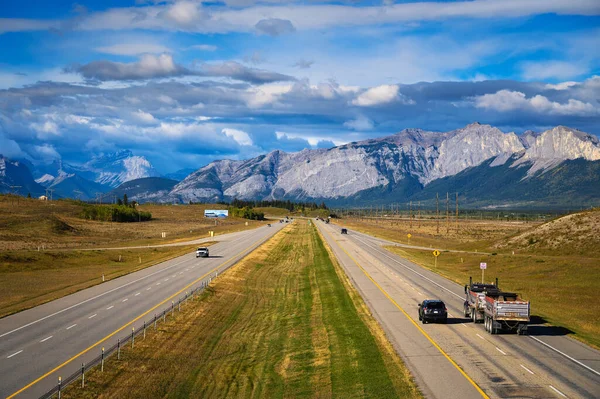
(154, 321)
(144, 329)
(119, 349)
(102, 364)
(172, 306)
(179, 305)
(132, 337)
(82, 375)
(59, 386)
(164, 315)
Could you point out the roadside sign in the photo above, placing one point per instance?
(436, 253)
(483, 265)
(409, 235)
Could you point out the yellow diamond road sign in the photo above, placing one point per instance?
(409, 235)
(436, 253)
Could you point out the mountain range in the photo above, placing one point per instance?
(559, 168)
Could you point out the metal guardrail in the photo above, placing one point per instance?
(121, 342)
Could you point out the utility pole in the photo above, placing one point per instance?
(456, 218)
(447, 213)
(410, 214)
(437, 211)
(51, 190)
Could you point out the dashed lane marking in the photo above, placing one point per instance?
(526, 369)
(14, 354)
(68, 328)
(46, 339)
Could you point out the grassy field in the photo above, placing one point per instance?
(556, 265)
(282, 323)
(31, 223)
(30, 278)
(40, 246)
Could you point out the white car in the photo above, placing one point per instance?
(202, 252)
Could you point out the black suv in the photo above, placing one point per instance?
(433, 310)
(344, 231)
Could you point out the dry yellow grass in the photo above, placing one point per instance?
(279, 324)
(31, 224)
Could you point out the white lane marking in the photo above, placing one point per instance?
(565, 355)
(526, 369)
(92, 316)
(500, 350)
(557, 391)
(148, 289)
(14, 354)
(157, 283)
(110, 307)
(166, 279)
(68, 328)
(180, 272)
(92, 298)
(480, 336)
(137, 294)
(125, 300)
(409, 268)
(463, 324)
(187, 269)
(46, 339)
(446, 289)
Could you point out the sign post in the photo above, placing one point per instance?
(436, 253)
(409, 235)
(482, 266)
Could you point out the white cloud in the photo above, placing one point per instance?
(204, 47)
(133, 49)
(241, 137)
(361, 123)
(561, 86)
(183, 14)
(188, 15)
(46, 129)
(377, 95)
(144, 117)
(553, 70)
(506, 100)
(148, 66)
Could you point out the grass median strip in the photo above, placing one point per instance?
(282, 323)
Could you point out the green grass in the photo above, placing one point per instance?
(284, 322)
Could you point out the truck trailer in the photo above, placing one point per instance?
(497, 309)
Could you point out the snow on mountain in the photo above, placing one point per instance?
(356, 167)
(550, 148)
(45, 180)
(470, 146)
(116, 168)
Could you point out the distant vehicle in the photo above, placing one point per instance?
(202, 252)
(327, 221)
(344, 231)
(502, 311)
(433, 310)
(269, 225)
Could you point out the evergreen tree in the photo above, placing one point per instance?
(125, 200)
(28, 195)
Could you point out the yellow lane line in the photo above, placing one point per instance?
(483, 394)
(129, 323)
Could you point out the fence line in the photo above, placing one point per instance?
(121, 341)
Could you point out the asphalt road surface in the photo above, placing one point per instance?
(40, 344)
(459, 359)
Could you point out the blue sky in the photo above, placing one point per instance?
(187, 82)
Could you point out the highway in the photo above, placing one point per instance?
(459, 359)
(40, 344)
